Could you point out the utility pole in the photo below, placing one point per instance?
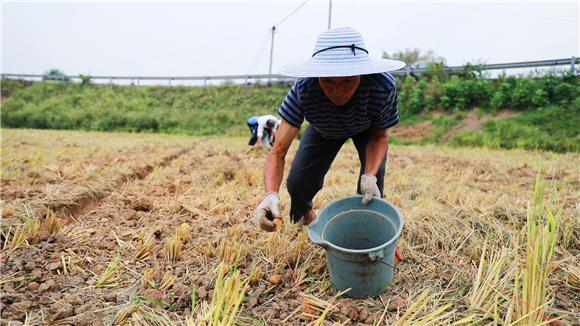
(329, 12)
(271, 54)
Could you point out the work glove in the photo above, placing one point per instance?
(268, 210)
(369, 188)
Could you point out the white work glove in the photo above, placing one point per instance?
(369, 188)
(268, 210)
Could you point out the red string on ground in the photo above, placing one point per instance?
(297, 286)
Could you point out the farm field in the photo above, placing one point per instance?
(149, 229)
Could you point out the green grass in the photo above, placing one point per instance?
(407, 118)
(215, 110)
(442, 124)
(552, 128)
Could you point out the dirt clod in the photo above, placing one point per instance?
(202, 293)
(46, 286)
(396, 303)
(53, 266)
(29, 266)
(143, 205)
(16, 311)
(63, 311)
(110, 297)
(153, 294)
(86, 319)
(348, 307)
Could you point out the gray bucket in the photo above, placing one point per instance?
(360, 243)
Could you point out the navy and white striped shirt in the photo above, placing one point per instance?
(374, 104)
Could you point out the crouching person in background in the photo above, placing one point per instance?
(263, 129)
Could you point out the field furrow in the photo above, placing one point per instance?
(179, 210)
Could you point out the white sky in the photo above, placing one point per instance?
(223, 38)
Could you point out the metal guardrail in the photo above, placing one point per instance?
(496, 66)
(405, 71)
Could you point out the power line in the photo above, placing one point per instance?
(260, 53)
(274, 31)
(292, 13)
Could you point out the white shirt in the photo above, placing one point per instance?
(262, 124)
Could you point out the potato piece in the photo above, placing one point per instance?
(279, 223)
(276, 279)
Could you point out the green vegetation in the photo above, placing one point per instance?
(548, 119)
(438, 91)
(549, 109)
(190, 110)
(553, 128)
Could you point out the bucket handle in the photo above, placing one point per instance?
(374, 255)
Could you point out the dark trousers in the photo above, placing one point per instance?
(311, 163)
(254, 131)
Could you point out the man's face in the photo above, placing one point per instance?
(339, 90)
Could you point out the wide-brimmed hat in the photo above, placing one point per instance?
(340, 52)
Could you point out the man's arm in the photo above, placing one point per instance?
(375, 151)
(269, 208)
(376, 148)
(274, 166)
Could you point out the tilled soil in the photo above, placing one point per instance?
(213, 185)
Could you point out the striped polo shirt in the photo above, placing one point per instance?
(374, 104)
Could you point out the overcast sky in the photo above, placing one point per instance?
(219, 38)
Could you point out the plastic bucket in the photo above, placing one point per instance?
(360, 243)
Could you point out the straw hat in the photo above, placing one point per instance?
(340, 52)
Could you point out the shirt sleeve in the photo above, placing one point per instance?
(291, 108)
(388, 116)
(261, 125)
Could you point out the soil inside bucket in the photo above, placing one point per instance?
(359, 230)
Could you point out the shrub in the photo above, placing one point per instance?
(454, 94)
(523, 93)
(433, 92)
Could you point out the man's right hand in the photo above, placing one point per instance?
(268, 210)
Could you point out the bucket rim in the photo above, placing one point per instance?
(368, 250)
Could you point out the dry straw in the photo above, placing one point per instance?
(146, 245)
(173, 247)
(167, 281)
(148, 280)
(52, 224)
(108, 278)
(141, 315)
(183, 233)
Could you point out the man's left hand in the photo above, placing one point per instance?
(369, 188)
